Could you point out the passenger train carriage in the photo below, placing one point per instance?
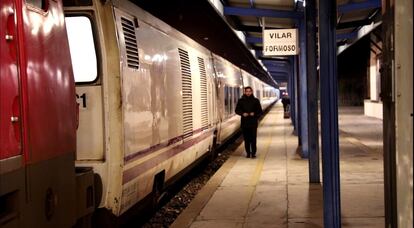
(156, 103)
(151, 104)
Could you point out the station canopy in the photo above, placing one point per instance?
(215, 30)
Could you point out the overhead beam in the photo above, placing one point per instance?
(343, 36)
(277, 69)
(365, 30)
(278, 73)
(250, 28)
(353, 24)
(282, 67)
(253, 39)
(278, 78)
(281, 80)
(370, 4)
(275, 62)
(256, 12)
(277, 65)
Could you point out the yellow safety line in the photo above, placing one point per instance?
(257, 173)
(260, 163)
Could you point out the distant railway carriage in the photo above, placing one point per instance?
(151, 104)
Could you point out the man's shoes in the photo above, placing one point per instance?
(253, 156)
(248, 156)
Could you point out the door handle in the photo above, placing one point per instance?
(9, 38)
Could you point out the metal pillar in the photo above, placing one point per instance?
(312, 79)
(292, 92)
(303, 91)
(329, 114)
(295, 98)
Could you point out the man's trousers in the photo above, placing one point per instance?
(250, 135)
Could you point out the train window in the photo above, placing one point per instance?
(40, 4)
(237, 94)
(226, 102)
(225, 96)
(82, 48)
(231, 92)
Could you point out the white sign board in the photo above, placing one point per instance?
(278, 42)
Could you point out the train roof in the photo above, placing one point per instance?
(199, 20)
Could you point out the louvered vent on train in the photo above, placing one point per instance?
(203, 89)
(131, 46)
(187, 93)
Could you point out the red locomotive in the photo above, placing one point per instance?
(38, 117)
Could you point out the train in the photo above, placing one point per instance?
(103, 106)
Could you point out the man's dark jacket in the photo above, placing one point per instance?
(285, 100)
(247, 105)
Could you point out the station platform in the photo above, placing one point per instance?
(273, 190)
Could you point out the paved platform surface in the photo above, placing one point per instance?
(273, 190)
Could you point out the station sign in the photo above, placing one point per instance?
(279, 42)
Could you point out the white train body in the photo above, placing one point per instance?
(157, 103)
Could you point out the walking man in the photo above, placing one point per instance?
(249, 108)
(285, 101)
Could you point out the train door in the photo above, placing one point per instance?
(82, 41)
(212, 98)
(10, 120)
